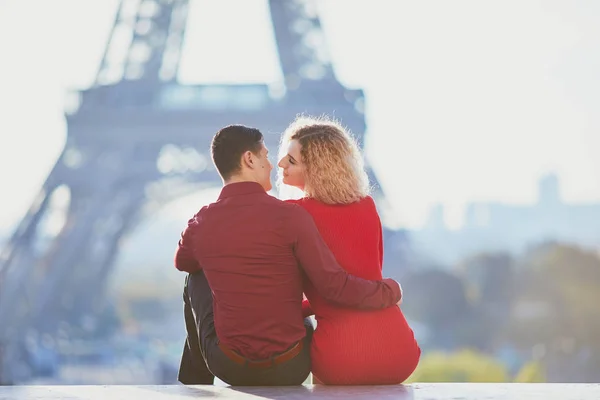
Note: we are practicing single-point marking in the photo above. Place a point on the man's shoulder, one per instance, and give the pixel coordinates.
(299, 217)
(294, 206)
(288, 207)
(197, 217)
(203, 210)
(291, 206)
(298, 205)
(293, 201)
(292, 210)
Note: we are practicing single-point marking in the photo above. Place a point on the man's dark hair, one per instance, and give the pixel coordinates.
(230, 143)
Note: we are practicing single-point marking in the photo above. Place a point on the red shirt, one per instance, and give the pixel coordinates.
(349, 346)
(255, 251)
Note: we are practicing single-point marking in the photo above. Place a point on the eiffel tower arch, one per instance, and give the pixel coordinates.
(139, 139)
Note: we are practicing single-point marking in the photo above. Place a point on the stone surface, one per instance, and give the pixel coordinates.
(433, 391)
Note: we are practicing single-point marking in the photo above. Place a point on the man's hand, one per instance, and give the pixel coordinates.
(401, 295)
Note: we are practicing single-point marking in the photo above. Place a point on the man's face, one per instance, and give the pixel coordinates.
(263, 172)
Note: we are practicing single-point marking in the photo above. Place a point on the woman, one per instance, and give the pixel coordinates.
(349, 346)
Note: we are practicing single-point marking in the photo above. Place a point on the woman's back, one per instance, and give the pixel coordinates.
(353, 234)
(352, 346)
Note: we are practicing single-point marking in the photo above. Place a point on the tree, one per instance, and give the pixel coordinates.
(462, 366)
(490, 276)
(532, 372)
(556, 309)
(434, 297)
(567, 280)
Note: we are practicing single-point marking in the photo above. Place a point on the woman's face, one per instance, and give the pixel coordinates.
(292, 166)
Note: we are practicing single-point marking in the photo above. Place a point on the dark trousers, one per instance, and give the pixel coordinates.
(202, 358)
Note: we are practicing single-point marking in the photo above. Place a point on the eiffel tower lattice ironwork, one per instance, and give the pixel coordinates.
(137, 132)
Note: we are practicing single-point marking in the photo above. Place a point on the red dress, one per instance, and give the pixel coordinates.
(350, 346)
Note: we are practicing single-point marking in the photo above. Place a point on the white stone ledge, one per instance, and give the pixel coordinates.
(429, 391)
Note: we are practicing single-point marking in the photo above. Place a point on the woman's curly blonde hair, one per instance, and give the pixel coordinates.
(334, 167)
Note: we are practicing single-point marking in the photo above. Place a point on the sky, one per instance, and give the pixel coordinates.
(466, 100)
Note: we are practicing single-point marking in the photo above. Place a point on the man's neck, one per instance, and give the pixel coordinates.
(238, 179)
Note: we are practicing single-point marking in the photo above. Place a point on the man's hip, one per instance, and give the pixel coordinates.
(290, 367)
(276, 359)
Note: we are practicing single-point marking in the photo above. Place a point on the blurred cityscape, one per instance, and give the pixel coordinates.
(510, 293)
(498, 227)
(515, 298)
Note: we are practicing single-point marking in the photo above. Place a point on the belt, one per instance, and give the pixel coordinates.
(266, 363)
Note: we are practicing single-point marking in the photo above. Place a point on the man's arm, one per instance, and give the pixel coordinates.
(184, 255)
(332, 281)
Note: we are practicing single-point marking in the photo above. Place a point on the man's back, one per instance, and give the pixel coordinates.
(244, 242)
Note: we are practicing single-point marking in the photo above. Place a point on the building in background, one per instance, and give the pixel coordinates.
(498, 226)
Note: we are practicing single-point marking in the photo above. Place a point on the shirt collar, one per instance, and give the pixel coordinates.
(240, 189)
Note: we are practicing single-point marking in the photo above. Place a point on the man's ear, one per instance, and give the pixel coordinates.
(248, 160)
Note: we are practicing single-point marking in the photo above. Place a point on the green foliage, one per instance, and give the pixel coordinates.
(546, 299)
(489, 277)
(462, 366)
(434, 297)
(471, 366)
(532, 372)
(560, 289)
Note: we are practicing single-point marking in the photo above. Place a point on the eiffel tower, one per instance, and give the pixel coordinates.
(139, 139)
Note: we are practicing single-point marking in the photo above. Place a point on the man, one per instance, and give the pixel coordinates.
(247, 255)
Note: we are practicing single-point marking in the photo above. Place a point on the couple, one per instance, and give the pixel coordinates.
(250, 257)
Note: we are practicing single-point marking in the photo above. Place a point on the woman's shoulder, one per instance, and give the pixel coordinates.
(308, 202)
(368, 200)
(293, 201)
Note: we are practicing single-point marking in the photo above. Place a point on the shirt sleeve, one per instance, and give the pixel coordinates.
(329, 278)
(184, 255)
